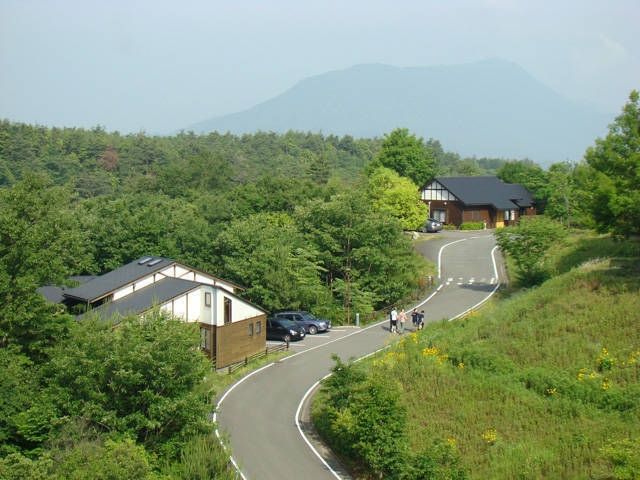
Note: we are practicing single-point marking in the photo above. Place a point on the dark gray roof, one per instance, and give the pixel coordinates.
(520, 195)
(52, 293)
(487, 190)
(56, 294)
(100, 287)
(103, 285)
(144, 299)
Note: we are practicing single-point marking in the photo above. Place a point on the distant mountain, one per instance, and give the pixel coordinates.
(491, 108)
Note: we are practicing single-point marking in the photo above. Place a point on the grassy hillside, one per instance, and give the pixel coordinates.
(540, 384)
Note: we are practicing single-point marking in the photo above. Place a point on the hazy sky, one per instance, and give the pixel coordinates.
(158, 66)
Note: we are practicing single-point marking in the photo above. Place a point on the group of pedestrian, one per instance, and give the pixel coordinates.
(416, 318)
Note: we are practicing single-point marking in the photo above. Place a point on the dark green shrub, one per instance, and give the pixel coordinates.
(364, 420)
(623, 460)
(472, 226)
(437, 462)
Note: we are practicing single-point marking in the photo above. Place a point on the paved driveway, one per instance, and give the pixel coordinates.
(266, 412)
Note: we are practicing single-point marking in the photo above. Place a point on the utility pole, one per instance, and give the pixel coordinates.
(348, 296)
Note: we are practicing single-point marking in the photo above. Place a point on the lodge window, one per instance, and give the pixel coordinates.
(227, 310)
(440, 215)
(207, 299)
(251, 329)
(258, 328)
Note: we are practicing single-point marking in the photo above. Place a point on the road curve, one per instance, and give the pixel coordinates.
(261, 413)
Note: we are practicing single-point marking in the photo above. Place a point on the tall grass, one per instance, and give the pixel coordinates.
(542, 384)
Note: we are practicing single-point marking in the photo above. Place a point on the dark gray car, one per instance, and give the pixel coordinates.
(283, 329)
(311, 324)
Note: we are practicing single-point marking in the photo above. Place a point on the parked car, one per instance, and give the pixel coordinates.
(432, 225)
(311, 324)
(285, 330)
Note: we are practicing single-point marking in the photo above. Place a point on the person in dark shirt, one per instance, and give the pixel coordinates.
(414, 317)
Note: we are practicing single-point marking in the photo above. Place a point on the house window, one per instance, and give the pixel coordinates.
(227, 310)
(258, 328)
(251, 329)
(440, 215)
(204, 339)
(207, 299)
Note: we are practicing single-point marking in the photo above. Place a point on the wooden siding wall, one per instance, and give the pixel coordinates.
(480, 214)
(233, 343)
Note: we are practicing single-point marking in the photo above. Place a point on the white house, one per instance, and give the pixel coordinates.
(231, 328)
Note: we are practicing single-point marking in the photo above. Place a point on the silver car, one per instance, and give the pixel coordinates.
(432, 225)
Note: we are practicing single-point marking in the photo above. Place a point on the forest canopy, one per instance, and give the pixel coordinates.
(301, 220)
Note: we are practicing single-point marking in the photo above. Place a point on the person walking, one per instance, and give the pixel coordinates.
(421, 320)
(414, 317)
(394, 320)
(403, 318)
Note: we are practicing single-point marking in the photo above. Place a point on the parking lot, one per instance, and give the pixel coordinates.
(319, 339)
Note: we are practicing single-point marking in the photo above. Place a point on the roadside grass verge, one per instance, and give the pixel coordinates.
(542, 384)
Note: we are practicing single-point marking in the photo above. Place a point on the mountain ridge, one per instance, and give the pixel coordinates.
(491, 108)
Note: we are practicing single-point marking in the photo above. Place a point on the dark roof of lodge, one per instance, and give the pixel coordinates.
(144, 299)
(487, 190)
(520, 195)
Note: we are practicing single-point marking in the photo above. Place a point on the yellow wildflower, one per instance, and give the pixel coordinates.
(490, 436)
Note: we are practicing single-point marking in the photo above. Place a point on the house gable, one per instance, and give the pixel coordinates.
(437, 191)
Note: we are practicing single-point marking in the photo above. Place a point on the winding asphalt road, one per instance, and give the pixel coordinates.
(265, 414)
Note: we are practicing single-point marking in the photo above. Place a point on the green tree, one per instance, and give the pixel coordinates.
(41, 243)
(399, 196)
(528, 244)
(559, 193)
(145, 379)
(407, 155)
(17, 387)
(268, 255)
(131, 226)
(97, 461)
(353, 238)
(616, 161)
(365, 420)
(525, 172)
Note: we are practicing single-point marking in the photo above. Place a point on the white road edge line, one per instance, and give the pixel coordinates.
(304, 399)
(495, 289)
(298, 410)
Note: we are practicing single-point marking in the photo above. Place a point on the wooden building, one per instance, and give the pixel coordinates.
(457, 200)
